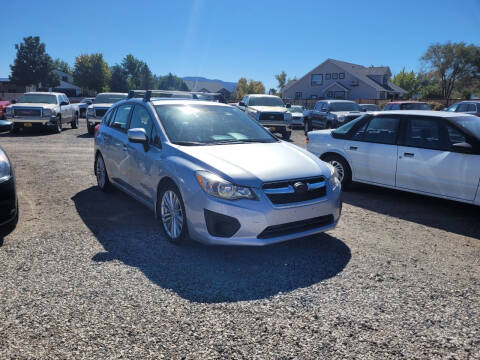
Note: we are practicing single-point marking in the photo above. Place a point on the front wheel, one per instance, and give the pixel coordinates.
(74, 122)
(58, 126)
(286, 135)
(172, 214)
(91, 129)
(342, 168)
(307, 126)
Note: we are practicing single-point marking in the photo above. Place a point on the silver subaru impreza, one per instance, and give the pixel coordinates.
(212, 174)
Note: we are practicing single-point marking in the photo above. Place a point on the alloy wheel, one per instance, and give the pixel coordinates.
(172, 214)
(101, 173)
(339, 168)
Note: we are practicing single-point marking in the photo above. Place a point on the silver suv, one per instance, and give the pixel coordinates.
(211, 173)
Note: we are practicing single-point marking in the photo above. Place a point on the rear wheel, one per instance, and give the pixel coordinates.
(286, 134)
(74, 122)
(172, 214)
(307, 126)
(341, 166)
(14, 129)
(91, 129)
(101, 173)
(58, 126)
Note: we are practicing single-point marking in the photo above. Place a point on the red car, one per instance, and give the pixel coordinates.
(407, 105)
(3, 105)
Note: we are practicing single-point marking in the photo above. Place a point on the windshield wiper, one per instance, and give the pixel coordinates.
(241, 141)
(187, 143)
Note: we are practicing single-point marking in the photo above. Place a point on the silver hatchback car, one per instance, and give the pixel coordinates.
(212, 174)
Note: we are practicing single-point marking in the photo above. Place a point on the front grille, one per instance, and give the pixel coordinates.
(283, 192)
(295, 227)
(271, 116)
(100, 112)
(27, 112)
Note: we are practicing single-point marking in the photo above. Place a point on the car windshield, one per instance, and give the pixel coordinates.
(470, 123)
(209, 124)
(38, 99)
(415, 106)
(265, 101)
(84, 100)
(296, 109)
(342, 130)
(453, 107)
(369, 107)
(108, 98)
(344, 106)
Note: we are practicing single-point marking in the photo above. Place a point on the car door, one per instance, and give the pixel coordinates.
(116, 158)
(318, 114)
(65, 110)
(144, 160)
(427, 162)
(372, 150)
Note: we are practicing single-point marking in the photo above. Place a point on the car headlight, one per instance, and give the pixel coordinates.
(46, 112)
(90, 112)
(9, 111)
(341, 118)
(5, 170)
(334, 179)
(214, 185)
(288, 116)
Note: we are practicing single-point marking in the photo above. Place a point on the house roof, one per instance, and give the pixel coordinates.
(362, 73)
(209, 86)
(338, 84)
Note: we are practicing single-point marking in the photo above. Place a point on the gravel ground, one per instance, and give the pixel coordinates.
(87, 275)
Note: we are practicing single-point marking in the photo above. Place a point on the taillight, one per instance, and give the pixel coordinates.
(478, 114)
(307, 140)
(96, 129)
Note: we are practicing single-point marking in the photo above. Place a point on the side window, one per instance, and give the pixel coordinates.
(120, 120)
(395, 107)
(360, 132)
(453, 108)
(455, 136)
(424, 133)
(387, 107)
(107, 119)
(141, 119)
(154, 138)
(471, 108)
(382, 130)
(462, 107)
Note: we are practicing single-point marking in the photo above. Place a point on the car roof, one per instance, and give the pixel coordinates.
(406, 102)
(368, 104)
(112, 93)
(262, 95)
(44, 93)
(336, 100)
(468, 101)
(176, 101)
(443, 114)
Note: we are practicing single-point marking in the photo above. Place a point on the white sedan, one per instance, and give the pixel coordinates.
(425, 152)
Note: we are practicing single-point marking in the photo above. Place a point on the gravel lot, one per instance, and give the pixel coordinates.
(87, 275)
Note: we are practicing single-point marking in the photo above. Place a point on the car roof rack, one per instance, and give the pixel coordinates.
(148, 94)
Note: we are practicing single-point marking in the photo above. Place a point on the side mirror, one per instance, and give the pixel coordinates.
(241, 103)
(138, 136)
(289, 106)
(463, 147)
(63, 103)
(5, 126)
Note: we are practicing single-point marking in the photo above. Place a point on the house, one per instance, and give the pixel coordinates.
(208, 86)
(335, 79)
(66, 85)
(10, 91)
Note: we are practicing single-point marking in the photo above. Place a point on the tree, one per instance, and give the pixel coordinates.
(272, 91)
(91, 72)
(62, 66)
(250, 87)
(407, 81)
(118, 80)
(133, 67)
(171, 82)
(282, 80)
(32, 65)
(450, 62)
(146, 77)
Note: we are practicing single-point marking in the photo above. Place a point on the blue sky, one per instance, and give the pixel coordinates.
(228, 40)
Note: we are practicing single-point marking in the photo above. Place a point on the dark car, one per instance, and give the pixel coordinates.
(83, 105)
(369, 107)
(407, 105)
(8, 194)
(468, 107)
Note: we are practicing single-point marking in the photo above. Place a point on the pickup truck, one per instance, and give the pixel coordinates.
(43, 109)
(328, 114)
(99, 107)
(269, 111)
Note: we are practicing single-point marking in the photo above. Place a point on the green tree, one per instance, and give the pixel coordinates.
(32, 65)
(171, 82)
(133, 67)
(118, 80)
(62, 66)
(282, 80)
(146, 77)
(272, 91)
(407, 81)
(450, 62)
(249, 87)
(92, 72)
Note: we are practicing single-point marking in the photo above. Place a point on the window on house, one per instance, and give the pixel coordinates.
(298, 95)
(317, 79)
(328, 76)
(313, 96)
(339, 94)
(334, 76)
(385, 79)
(329, 94)
(341, 75)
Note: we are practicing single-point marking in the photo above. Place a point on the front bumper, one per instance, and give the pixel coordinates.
(36, 122)
(8, 202)
(257, 218)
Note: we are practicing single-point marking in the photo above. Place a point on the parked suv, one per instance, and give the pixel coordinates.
(99, 107)
(329, 114)
(270, 111)
(407, 105)
(35, 109)
(467, 107)
(211, 173)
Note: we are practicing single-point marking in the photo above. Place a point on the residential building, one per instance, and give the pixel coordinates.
(208, 86)
(335, 79)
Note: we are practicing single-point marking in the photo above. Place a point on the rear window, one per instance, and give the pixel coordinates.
(415, 106)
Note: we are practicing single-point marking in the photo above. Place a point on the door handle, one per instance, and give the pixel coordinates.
(353, 148)
(408, 154)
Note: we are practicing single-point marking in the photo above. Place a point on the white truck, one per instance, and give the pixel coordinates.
(99, 107)
(42, 109)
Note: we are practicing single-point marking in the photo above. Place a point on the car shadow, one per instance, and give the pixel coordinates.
(85, 136)
(206, 274)
(33, 132)
(451, 216)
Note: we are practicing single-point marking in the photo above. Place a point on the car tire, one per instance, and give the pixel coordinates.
(74, 122)
(58, 126)
(103, 182)
(170, 201)
(91, 129)
(342, 167)
(14, 129)
(9, 227)
(286, 135)
(307, 126)
(328, 125)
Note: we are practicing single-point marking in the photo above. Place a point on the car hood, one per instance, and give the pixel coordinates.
(268, 108)
(29, 105)
(256, 163)
(343, 113)
(105, 105)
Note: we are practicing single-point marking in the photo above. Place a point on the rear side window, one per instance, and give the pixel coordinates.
(424, 133)
(462, 107)
(455, 136)
(395, 107)
(382, 130)
(120, 119)
(471, 108)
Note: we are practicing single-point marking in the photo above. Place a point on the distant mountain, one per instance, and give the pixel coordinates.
(230, 86)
